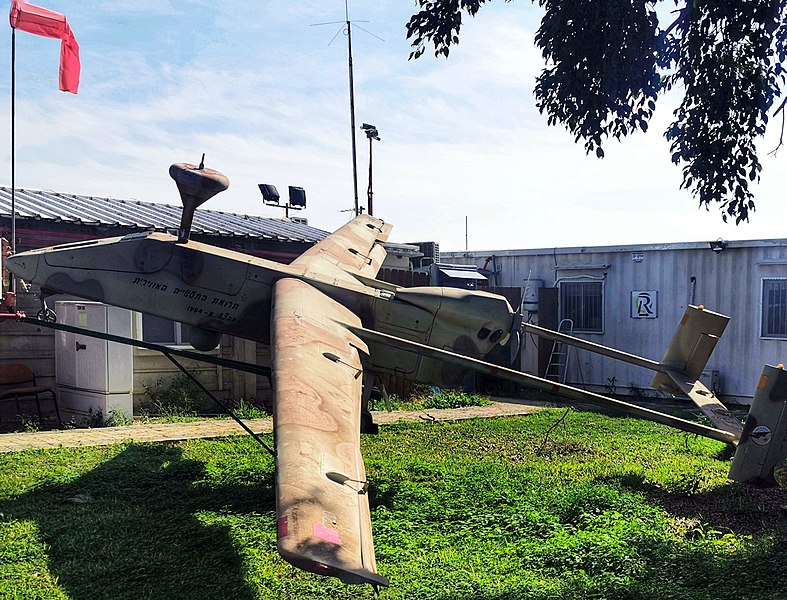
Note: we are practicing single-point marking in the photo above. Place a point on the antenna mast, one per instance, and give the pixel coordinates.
(352, 105)
(357, 209)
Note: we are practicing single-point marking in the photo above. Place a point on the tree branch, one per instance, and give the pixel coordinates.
(782, 110)
(681, 16)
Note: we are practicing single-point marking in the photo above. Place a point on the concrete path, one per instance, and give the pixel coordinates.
(215, 428)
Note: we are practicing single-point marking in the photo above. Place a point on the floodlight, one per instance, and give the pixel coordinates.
(270, 195)
(297, 197)
(718, 245)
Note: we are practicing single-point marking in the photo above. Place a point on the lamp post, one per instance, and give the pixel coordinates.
(371, 134)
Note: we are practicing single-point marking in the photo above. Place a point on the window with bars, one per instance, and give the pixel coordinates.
(774, 308)
(583, 302)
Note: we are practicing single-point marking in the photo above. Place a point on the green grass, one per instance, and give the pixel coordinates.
(485, 509)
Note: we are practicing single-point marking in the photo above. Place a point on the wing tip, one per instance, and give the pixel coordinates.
(343, 573)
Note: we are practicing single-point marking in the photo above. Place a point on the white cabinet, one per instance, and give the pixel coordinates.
(93, 375)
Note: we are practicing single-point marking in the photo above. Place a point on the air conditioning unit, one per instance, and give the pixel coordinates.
(430, 251)
(711, 380)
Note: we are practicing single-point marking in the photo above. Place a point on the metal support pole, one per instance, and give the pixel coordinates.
(221, 404)
(13, 151)
(597, 348)
(538, 383)
(370, 207)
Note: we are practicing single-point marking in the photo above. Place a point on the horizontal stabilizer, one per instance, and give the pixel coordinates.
(707, 402)
(691, 347)
(688, 353)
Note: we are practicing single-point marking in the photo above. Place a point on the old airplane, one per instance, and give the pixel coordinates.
(332, 327)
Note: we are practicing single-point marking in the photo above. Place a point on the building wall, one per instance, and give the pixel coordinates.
(729, 282)
(35, 347)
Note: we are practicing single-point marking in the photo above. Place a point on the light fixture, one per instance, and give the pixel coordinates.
(271, 197)
(371, 134)
(297, 197)
(718, 245)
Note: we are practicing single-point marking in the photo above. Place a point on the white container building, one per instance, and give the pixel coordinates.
(632, 298)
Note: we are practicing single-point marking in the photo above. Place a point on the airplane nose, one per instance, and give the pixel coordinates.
(23, 266)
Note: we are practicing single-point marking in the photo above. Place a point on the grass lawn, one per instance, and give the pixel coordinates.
(484, 509)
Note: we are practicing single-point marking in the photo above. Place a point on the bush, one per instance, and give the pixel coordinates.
(454, 399)
(174, 398)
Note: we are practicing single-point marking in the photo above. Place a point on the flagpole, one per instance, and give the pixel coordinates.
(13, 147)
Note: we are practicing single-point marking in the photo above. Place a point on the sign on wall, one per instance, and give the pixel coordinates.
(644, 304)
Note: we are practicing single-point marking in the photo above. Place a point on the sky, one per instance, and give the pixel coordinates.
(262, 90)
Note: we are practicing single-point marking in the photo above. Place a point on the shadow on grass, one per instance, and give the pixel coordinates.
(590, 539)
(743, 509)
(128, 528)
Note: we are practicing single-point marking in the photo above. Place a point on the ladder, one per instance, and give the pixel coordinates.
(557, 369)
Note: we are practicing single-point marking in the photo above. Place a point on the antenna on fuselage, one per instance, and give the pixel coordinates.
(196, 185)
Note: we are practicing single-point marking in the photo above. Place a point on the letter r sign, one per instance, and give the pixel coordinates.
(644, 304)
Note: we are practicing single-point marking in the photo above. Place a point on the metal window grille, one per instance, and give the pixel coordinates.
(774, 308)
(582, 302)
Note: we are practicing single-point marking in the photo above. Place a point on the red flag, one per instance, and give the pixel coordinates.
(41, 21)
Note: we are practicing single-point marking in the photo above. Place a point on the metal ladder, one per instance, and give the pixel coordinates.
(557, 369)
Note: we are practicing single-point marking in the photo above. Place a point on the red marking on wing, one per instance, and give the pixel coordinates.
(282, 527)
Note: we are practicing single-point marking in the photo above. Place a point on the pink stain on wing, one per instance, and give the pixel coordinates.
(326, 533)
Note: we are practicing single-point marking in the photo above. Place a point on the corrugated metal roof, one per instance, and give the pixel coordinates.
(113, 212)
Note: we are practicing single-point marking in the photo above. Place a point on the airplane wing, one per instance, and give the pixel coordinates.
(324, 525)
(352, 249)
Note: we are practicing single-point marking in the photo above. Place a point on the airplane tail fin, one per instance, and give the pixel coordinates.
(761, 456)
(688, 353)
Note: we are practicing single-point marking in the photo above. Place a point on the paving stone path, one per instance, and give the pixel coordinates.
(215, 428)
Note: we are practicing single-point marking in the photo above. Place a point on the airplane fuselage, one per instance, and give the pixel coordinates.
(217, 291)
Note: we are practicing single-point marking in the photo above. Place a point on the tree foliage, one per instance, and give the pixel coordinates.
(608, 61)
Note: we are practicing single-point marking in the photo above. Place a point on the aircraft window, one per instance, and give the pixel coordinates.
(496, 336)
(483, 333)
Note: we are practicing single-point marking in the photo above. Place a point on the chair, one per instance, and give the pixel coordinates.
(16, 376)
